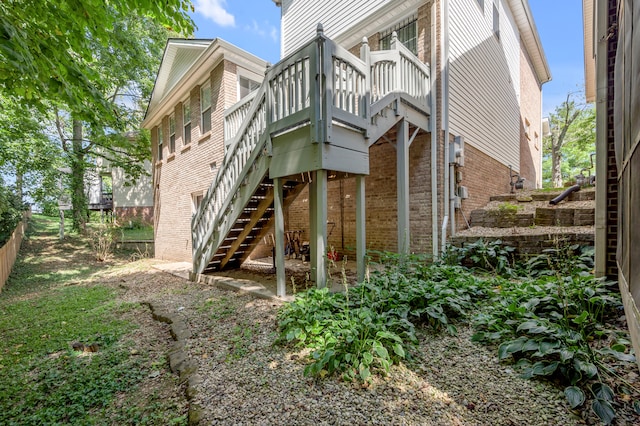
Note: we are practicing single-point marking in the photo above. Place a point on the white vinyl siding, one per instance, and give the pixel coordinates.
(484, 80)
(342, 20)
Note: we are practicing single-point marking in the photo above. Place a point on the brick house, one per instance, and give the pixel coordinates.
(380, 130)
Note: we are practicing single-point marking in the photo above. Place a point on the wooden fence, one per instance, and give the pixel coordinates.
(9, 251)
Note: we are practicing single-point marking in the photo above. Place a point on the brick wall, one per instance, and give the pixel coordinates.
(192, 168)
(530, 123)
(612, 170)
(141, 214)
(484, 177)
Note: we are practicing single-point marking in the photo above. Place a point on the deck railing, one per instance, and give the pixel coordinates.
(399, 70)
(235, 115)
(315, 86)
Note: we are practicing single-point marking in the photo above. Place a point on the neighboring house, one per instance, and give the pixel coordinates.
(109, 190)
(612, 44)
(383, 143)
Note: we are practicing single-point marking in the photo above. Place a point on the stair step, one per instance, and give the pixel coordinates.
(582, 195)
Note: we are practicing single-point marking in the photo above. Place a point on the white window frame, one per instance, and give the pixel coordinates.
(205, 107)
(160, 141)
(172, 133)
(400, 28)
(196, 200)
(186, 133)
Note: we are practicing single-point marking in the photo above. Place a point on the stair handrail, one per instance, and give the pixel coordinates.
(399, 70)
(235, 115)
(317, 84)
(232, 170)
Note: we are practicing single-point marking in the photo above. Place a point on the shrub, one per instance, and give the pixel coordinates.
(103, 239)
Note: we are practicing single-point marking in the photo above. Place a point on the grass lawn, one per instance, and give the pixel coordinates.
(66, 355)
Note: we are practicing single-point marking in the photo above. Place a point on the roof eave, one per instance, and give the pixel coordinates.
(531, 39)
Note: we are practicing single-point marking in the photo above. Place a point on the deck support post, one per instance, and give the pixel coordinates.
(278, 206)
(318, 213)
(402, 153)
(361, 234)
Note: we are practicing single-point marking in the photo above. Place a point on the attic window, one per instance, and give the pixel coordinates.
(246, 86)
(407, 32)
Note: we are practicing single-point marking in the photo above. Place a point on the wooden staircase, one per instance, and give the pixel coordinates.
(315, 110)
(529, 223)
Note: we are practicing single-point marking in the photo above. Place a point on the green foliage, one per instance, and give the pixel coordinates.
(554, 325)
(372, 326)
(549, 316)
(492, 256)
(11, 209)
(54, 43)
(568, 147)
(42, 380)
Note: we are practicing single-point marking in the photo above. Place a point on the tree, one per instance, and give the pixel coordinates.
(47, 48)
(26, 150)
(570, 142)
(85, 58)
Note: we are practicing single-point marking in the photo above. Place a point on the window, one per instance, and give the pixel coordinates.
(196, 200)
(159, 132)
(186, 119)
(407, 32)
(172, 133)
(205, 107)
(496, 20)
(246, 86)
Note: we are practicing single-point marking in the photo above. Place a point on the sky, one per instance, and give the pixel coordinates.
(254, 25)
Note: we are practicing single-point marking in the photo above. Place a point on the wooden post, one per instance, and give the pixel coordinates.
(318, 207)
(61, 224)
(278, 206)
(360, 228)
(402, 153)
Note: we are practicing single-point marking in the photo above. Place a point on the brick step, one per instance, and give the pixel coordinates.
(530, 242)
(582, 195)
(543, 216)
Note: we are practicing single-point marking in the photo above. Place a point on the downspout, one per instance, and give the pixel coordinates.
(444, 71)
(434, 137)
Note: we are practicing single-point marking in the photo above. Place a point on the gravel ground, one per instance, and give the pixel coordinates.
(247, 380)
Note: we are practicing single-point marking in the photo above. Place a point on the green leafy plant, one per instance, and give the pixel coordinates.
(554, 326)
(492, 256)
(370, 327)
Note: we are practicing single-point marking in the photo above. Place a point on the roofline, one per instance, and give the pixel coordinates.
(217, 50)
(533, 47)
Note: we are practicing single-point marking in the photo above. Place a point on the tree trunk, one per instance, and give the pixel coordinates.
(19, 190)
(78, 196)
(556, 166)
